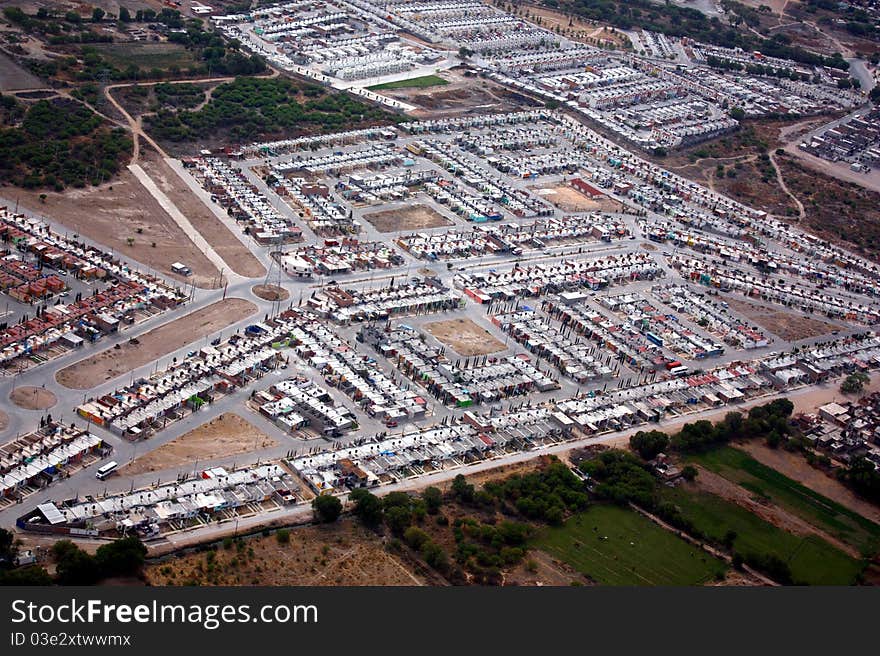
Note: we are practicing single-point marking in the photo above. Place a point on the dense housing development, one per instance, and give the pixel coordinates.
(457, 285)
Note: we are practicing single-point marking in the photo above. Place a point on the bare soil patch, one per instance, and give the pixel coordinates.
(344, 553)
(414, 217)
(569, 199)
(578, 29)
(151, 346)
(113, 213)
(465, 94)
(13, 77)
(539, 569)
(227, 245)
(4, 420)
(271, 292)
(226, 435)
(790, 327)
(465, 337)
(796, 467)
(33, 398)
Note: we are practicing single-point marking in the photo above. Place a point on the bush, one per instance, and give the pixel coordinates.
(283, 536)
(415, 537)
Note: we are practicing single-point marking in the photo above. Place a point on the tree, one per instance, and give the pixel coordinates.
(8, 550)
(649, 444)
(398, 518)
(98, 15)
(73, 566)
(124, 15)
(327, 508)
(123, 557)
(462, 490)
(729, 538)
(433, 499)
(854, 383)
(31, 575)
(737, 113)
(415, 537)
(689, 473)
(367, 506)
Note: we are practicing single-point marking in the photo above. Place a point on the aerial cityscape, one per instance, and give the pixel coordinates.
(349, 292)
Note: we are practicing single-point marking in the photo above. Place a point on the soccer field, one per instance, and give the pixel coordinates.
(617, 546)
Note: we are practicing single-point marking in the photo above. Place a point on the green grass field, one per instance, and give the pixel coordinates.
(413, 83)
(636, 552)
(146, 55)
(812, 560)
(823, 513)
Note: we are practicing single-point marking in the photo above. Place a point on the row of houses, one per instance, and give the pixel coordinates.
(243, 201)
(501, 238)
(571, 273)
(38, 459)
(168, 507)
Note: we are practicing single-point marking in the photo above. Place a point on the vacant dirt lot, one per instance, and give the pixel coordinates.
(113, 213)
(465, 94)
(465, 337)
(788, 326)
(151, 346)
(4, 420)
(343, 553)
(271, 292)
(33, 398)
(414, 217)
(13, 76)
(569, 199)
(226, 435)
(227, 245)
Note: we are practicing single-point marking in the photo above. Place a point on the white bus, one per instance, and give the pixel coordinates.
(106, 470)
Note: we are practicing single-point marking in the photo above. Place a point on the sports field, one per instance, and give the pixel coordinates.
(412, 83)
(617, 546)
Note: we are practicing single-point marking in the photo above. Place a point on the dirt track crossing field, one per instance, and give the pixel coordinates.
(151, 346)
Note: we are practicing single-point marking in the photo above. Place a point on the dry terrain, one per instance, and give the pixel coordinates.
(151, 346)
(569, 199)
(465, 94)
(576, 28)
(226, 435)
(227, 245)
(113, 213)
(344, 553)
(4, 420)
(13, 77)
(271, 292)
(753, 166)
(412, 217)
(33, 398)
(787, 325)
(464, 337)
